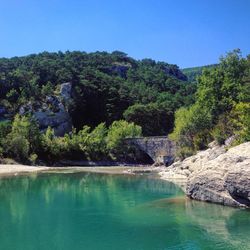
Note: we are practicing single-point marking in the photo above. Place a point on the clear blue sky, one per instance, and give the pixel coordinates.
(184, 32)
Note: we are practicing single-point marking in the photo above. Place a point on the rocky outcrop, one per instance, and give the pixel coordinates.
(52, 112)
(65, 92)
(175, 72)
(215, 175)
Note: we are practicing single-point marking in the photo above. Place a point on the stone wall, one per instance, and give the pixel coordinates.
(159, 148)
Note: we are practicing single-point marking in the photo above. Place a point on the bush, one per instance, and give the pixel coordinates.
(191, 126)
(5, 128)
(33, 158)
(184, 152)
(53, 148)
(23, 139)
(154, 118)
(18, 148)
(118, 131)
(201, 140)
(241, 121)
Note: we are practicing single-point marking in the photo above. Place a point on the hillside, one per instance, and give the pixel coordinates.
(105, 87)
(193, 72)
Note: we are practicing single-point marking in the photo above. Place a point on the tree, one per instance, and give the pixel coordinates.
(219, 97)
(24, 138)
(47, 89)
(118, 131)
(151, 117)
(241, 121)
(5, 128)
(97, 143)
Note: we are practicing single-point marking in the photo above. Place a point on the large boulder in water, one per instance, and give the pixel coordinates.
(216, 175)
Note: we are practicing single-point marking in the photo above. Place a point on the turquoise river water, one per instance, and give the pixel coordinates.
(96, 211)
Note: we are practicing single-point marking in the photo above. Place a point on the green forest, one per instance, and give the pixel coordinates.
(107, 87)
(114, 96)
(221, 109)
(193, 73)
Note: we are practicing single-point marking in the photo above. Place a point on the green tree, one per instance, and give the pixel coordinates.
(97, 142)
(24, 138)
(151, 117)
(219, 90)
(5, 128)
(241, 121)
(47, 89)
(118, 131)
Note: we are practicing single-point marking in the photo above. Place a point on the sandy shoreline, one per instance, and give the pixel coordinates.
(16, 169)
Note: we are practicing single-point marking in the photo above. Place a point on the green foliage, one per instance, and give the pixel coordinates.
(101, 143)
(218, 111)
(223, 129)
(151, 117)
(184, 152)
(47, 89)
(5, 128)
(193, 73)
(23, 139)
(18, 148)
(190, 127)
(241, 121)
(104, 84)
(97, 143)
(118, 131)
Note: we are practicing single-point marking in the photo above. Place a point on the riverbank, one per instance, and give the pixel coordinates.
(215, 175)
(18, 169)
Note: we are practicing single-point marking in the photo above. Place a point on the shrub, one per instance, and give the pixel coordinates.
(241, 121)
(118, 131)
(223, 129)
(23, 139)
(184, 152)
(18, 147)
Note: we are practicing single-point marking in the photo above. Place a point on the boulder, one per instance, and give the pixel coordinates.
(237, 183)
(215, 175)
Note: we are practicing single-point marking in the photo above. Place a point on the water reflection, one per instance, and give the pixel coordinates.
(80, 187)
(79, 208)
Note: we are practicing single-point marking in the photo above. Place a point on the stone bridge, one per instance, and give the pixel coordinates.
(159, 148)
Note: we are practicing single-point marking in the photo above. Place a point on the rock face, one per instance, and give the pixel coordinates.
(65, 91)
(52, 112)
(176, 73)
(215, 175)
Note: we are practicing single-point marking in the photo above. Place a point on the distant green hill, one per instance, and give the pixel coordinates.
(105, 87)
(192, 73)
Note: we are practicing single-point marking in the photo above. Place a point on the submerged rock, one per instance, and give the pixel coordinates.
(215, 175)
